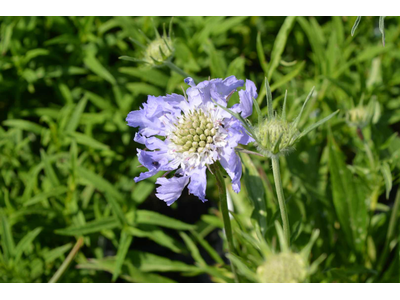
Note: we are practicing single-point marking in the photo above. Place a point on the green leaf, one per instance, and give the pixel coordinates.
(76, 115)
(269, 99)
(48, 168)
(288, 77)
(24, 125)
(147, 262)
(86, 140)
(135, 275)
(260, 53)
(123, 247)
(52, 193)
(153, 218)
(382, 28)
(193, 249)
(255, 190)
(25, 243)
(279, 44)
(100, 183)
(66, 93)
(153, 76)
(355, 25)
(96, 67)
(55, 253)
(142, 190)
(315, 125)
(157, 235)
(387, 176)
(6, 239)
(217, 61)
(211, 251)
(90, 227)
(243, 268)
(236, 67)
(6, 34)
(117, 210)
(297, 120)
(348, 199)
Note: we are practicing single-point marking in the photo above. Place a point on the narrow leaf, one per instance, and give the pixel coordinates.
(153, 218)
(25, 243)
(355, 25)
(387, 176)
(123, 247)
(90, 227)
(315, 125)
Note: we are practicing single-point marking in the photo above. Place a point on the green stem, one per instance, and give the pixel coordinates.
(67, 261)
(390, 234)
(178, 70)
(281, 198)
(225, 212)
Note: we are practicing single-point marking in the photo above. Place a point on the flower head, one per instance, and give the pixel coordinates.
(186, 134)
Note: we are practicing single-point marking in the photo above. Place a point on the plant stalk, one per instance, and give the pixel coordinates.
(225, 212)
(178, 70)
(67, 261)
(281, 198)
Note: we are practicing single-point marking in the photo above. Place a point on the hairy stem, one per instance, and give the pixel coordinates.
(225, 212)
(281, 198)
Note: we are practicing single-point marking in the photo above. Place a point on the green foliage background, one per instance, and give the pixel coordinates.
(67, 158)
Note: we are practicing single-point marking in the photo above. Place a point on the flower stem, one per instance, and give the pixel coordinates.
(176, 69)
(225, 212)
(281, 198)
(67, 261)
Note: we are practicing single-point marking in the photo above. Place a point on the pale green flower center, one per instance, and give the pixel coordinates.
(194, 133)
(285, 267)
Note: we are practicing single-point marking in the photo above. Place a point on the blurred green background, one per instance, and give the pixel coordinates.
(67, 157)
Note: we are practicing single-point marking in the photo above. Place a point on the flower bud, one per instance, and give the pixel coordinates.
(358, 117)
(158, 51)
(275, 136)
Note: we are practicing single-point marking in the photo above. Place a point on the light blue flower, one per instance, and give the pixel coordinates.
(195, 133)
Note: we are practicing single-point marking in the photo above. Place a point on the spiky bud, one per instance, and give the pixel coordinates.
(275, 136)
(158, 51)
(284, 267)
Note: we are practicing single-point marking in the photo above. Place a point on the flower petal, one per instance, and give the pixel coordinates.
(154, 161)
(148, 117)
(246, 98)
(198, 183)
(230, 161)
(171, 189)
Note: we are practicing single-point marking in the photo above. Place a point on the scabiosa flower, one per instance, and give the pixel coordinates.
(187, 134)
